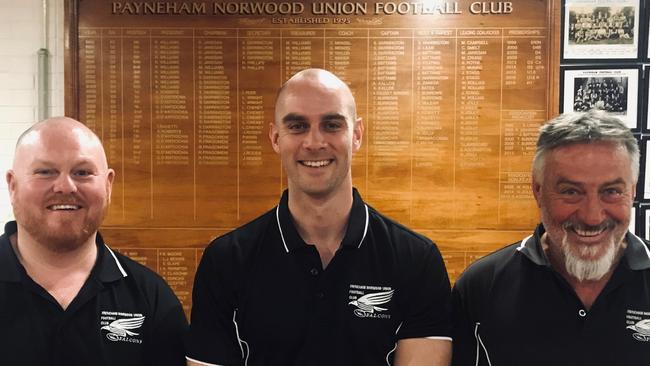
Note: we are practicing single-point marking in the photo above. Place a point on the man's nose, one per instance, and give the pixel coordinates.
(64, 183)
(314, 139)
(593, 210)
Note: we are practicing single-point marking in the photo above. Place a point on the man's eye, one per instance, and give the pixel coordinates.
(570, 192)
(81, 173)
(44, 172)
(296, 127)
(332, 126)
(613, 192)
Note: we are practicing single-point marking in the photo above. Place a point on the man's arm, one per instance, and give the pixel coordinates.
(212, 338)
(424, 337)
(423, 351)
(464, 351)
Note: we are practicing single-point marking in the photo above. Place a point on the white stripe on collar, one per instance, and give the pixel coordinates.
(523, 243)
(277, 217)
(116, 261)
(365, 229)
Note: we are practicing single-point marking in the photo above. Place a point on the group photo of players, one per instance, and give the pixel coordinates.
(606, 93)
(601, 25)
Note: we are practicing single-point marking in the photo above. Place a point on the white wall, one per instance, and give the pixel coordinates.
(21, 36)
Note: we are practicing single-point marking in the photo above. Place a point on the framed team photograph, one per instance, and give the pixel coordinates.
(600, 30)
(614, 89)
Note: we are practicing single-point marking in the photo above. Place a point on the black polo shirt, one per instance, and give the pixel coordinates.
(261, 296)
(124, 315)
(513, 309)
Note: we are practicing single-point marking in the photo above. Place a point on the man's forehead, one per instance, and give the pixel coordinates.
(307, 89)
(56, 133)
(77, 144)
(81, 160)
(591, 148)
(314, 99)
(595, 163)
(326, 116)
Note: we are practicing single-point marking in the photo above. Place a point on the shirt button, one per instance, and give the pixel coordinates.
(320, 295)
(313, 271)
(582, 313)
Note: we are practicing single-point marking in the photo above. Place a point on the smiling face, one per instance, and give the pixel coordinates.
(60, 185)
(585, 197)
(316, 133)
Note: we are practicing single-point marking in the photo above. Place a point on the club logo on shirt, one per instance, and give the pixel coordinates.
(370, 301)
(639, 323)
(121, 327)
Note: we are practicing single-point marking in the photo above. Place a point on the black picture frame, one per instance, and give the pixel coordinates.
(614, 88)
(602, 31)
(635, 219)
(644, 121)
(643, 183)
(642, 223)
(645, 32)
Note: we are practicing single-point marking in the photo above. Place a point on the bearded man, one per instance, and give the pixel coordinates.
(577, 291)
(65, 297)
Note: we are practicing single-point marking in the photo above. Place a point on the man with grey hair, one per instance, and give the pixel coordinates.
(577, 291)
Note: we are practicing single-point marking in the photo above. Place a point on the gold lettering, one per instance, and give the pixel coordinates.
(159, 7)
(346, 8)
(257, 8)
(491, 7)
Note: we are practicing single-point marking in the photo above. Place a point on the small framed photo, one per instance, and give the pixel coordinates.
(600, 30)
(613, 88)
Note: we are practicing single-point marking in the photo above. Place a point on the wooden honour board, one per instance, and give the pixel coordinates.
(181, 93)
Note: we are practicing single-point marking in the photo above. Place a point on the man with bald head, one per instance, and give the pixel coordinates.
(65, 297)
(322, 278)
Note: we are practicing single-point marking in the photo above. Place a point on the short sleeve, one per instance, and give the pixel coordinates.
(213, 334)
(464, 350)
(169, 331)
(469, 301)
(426, 297)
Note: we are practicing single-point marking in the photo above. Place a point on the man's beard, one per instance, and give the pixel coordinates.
(65, 238)
(590, 269)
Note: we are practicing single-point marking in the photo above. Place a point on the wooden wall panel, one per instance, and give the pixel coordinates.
(181, 93)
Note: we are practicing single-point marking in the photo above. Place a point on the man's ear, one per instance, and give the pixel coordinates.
(357, 134)
(11, 184)
(537, 189)
(110, 176)
(274, 135)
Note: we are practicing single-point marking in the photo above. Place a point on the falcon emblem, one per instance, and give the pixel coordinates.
(642, 329)
(123, 327)
(368, 303)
